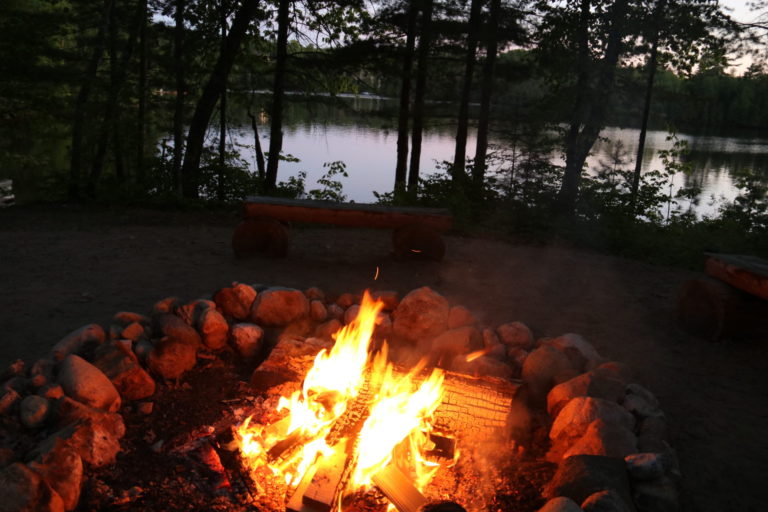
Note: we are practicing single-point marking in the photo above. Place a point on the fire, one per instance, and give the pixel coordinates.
(396, 430)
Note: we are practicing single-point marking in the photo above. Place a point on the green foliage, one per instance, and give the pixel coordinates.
(331, 188)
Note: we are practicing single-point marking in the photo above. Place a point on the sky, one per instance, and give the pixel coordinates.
(740, 12)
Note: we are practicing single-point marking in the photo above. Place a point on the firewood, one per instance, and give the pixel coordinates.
(322, 490)
(296, 501)
(397, 487)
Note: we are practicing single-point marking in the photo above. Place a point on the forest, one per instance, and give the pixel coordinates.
(90, 87)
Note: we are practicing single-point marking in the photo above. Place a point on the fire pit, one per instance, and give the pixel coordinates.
(281, 400)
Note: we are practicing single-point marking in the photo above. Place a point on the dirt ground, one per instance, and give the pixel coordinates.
(62, 267)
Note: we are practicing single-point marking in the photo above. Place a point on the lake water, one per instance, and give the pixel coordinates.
(364, 137)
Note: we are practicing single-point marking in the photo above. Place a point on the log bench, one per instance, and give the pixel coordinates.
(732, 302)
(264, 229)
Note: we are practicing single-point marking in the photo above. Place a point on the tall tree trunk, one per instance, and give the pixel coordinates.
(222, 110)
(460, 155)
(78, 123)
(142, 94)
(260, 168)
(178, 111)
(210, 96)
(278, 91)
(425, 39)
(110, 125)
(483, 122)
(401, 166)
(591, 105)
(652, 62)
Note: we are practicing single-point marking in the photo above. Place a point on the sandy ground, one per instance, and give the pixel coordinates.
(61, 268)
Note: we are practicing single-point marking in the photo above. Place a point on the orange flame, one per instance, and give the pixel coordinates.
(477, 354)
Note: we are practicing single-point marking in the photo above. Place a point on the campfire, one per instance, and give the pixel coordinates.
(304, 404)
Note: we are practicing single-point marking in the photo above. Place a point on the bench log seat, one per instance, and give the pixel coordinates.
(732, 302)
(264, 229)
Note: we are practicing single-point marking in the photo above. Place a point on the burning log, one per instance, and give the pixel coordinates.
(398, 489)
(322, 490)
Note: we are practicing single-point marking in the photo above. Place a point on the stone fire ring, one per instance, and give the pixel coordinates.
(60, 417)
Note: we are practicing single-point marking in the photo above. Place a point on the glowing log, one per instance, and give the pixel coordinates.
(398, 489)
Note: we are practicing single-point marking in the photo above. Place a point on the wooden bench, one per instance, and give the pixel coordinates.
(731, 303)
(264, 229)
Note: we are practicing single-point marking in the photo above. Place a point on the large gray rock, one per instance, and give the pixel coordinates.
(247, 339)
(79, 340)
(34, 411)
(545, 367)
(515, 334)
(577, 348)
(213, 328)
(461, 340)
(62, 468)
(122, 368)
(606, 439)
(172, 358)
(641, 402)
(87, 384)
(422, 314)
(575, 417)
(560, 504)
(586, 384)
(605, 501)
(278, 307)
(580, 476)
(23, 490)
(235, 301)
(648, 466)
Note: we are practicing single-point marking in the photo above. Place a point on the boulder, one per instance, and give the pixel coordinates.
(383, 330)
(335, 311)
(34, 411)
(484, 366)
(126, 317)
(122, 368)
(647, 466)
(171, 358)
(461, 340)
(278, 307)
(652, 434)
(247, 339)
(602, 438)
(580, 476)
(345, 300)
(389, 298)
(560, 504)
(94, 434)
(15, 369)
(213, 328)
(614, 370)
(317, 310)
(176, 329)
(351, 313)
(575, 417)
(328, 329)
(314, 293)
(543, 368)
(515, 334)
(77, 341)
(25, 491)
(51, 391)
(8, 399)
(586, 384)
(44, 368)
(422, 314)
(235, 301)
(459, 316)
(640, 407)
(142, 349)
(62, 469)
(133, 331)
(87, 384)
(605, 501)
(166, 306)
(578, 349)
(659, 495)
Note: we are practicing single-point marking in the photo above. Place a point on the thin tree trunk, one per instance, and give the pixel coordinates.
(222, 111)
(594, 103)
(460, 155)
(278, 91)
(257, 145)
(78, 123)
(425, 39)
(210, 96)
(178, 111)
(401, 166)
(483, 122)
(652, 62)
(142, 93)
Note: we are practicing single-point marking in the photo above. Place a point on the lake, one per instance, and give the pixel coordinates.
(362, 132)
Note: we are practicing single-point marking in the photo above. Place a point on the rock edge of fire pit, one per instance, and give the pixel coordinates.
(607, 433)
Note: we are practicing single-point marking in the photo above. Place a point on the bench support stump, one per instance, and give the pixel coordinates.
(260, 235)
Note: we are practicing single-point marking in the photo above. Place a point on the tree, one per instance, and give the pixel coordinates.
(401, 167)
(425, 40)
(491, 43)
(181, 90)
(278, 92)
(210, 96)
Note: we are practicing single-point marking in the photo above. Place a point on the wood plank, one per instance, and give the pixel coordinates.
(346, 214)
(296, 501)
(324, 486)
(398, 489)
(747, 273)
